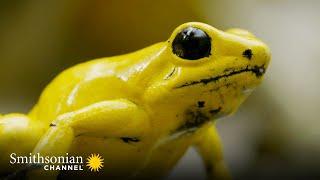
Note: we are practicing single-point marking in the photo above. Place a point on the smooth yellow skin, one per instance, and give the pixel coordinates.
(91, 106)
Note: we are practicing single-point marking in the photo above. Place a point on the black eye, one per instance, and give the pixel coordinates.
(192, 43)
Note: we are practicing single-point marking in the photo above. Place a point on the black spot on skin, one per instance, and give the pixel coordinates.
(171, 73)
(247, 54)
(201, 104)
(129, 139)
(52, 125)
(194, 120)
(81, 134)
(257, 70)
(215, 111)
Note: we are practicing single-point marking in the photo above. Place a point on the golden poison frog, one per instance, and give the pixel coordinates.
(141, 111)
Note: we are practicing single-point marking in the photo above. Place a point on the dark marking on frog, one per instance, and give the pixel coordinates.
(215, 111)
(171, 73)
(52, 125)
(257, 70)
(130, 139)
(201, 104)
(247, 54)
(81, 134)
(194, 120)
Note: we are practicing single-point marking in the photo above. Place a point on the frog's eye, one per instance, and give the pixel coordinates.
(192, 44)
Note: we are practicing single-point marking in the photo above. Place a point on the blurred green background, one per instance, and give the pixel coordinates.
(275, 133)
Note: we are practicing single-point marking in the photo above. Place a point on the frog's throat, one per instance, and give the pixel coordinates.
(257, 70)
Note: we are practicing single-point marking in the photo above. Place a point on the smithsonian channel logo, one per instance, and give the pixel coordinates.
(60, 163)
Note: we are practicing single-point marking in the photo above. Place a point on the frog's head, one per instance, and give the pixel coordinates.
(208, 70)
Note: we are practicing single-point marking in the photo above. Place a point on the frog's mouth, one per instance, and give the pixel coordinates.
(257, 70)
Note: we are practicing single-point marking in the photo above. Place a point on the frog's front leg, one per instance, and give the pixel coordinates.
(209, 147)
(114, 118)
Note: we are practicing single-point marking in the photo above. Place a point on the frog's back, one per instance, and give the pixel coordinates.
(88, 83)
(57, 97)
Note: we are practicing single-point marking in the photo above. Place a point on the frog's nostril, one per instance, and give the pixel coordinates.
(247, 54)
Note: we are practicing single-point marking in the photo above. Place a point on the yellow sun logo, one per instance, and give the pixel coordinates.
(95, 162)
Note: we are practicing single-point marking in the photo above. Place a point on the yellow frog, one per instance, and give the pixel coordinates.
(143, 110)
